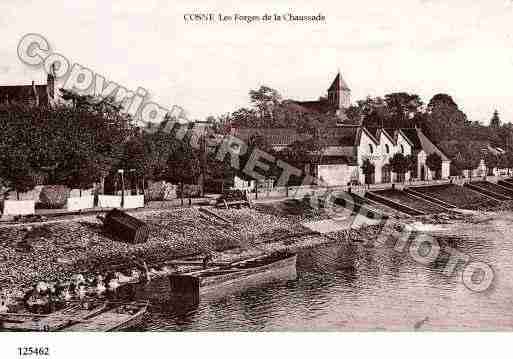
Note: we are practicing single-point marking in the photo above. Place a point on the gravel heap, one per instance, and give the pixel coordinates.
(55, 251)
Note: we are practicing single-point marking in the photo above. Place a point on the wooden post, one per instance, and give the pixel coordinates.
(122, 190)
(144, 195)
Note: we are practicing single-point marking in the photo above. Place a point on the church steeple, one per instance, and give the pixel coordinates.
(339, 94)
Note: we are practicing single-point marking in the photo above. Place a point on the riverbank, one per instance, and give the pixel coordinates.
(53, 251)
(56, 251)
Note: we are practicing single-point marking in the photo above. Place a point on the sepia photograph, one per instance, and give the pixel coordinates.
(272, 167)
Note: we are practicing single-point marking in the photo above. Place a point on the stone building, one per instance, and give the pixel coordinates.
(422, 148)
(32, 95)
(348, 144)
(335, 104)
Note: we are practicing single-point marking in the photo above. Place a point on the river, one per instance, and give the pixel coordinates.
(361, 287)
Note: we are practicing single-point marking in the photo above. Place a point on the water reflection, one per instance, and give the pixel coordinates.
(357, 287)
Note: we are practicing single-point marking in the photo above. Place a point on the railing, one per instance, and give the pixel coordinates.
(302, 191)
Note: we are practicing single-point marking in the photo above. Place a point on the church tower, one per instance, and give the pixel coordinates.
(339, 94)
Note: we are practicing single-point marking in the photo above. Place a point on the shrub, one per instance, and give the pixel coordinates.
(190, 190)
(160, 191)
(54, 196)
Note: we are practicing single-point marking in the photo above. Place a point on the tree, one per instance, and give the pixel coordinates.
(84, 171)
(368, 170)
(219, 170)
(299, 155)
(495, 121)
(412, 163)
(441, 99)
(372, 111)
(103, 105)
(401, 108)
(443, 120)
(59, 140)
(491, 161)
(265, 99)
(244, 117)
(184, 165)
(76, 99)
(317, 127)
(18, 173)
(468, 156)
(506, 160)
(137, 161)
(296, 154)
(399, 164)
(434, 163)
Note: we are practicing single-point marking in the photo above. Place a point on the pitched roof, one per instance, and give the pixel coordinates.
(495, 150)
(320, 106)
(421, 142)
(411, 134)
(343, 136)
(24, 93)
(374, 131)
(400, 132)
(275, 136)
(391, 134)
(335, 160)
(371, 136)
(339, 84)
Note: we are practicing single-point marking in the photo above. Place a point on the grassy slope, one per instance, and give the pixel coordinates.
(413, 202)
(457, 195)
(493, 187)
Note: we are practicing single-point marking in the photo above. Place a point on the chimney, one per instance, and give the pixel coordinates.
(50, 84)
(36, 95)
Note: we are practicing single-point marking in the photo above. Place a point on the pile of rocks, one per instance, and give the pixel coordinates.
(55, 251)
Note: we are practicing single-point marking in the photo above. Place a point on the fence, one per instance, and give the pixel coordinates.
(130, 202)
(302, 191)
(107, 201)
(19, 208)
(12, 207)
(79, 203)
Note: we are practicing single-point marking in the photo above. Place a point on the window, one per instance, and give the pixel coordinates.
(402, 149)
(387, 148)
(371, 150)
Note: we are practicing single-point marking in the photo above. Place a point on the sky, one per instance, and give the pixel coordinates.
(463, 48)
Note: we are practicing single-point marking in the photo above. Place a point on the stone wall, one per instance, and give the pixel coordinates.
(337, 174)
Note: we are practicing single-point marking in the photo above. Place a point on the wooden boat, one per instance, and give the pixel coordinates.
(274, 266)
(75, 313)
(120, 317)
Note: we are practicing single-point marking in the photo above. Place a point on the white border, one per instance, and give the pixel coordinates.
(259, 345)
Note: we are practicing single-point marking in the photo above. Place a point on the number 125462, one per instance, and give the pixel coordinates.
(33, 351)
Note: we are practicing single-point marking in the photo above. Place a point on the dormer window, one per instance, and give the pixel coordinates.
(402, 149)
(371, 149)
(387, 148)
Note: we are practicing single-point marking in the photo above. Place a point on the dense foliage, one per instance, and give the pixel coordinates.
(84, 141)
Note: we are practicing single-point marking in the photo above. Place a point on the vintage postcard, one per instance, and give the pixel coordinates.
(283, 166)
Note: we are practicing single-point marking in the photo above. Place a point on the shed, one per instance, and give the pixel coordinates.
(125, 227)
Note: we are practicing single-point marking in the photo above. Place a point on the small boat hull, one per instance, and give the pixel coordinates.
(51, 322)
(218, 281)
(111, 320)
